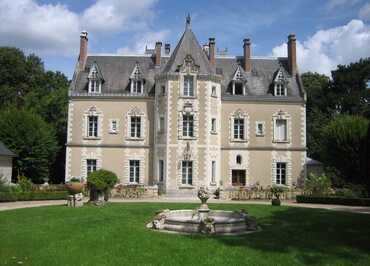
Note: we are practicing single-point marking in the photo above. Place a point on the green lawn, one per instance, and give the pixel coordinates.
(116, 235)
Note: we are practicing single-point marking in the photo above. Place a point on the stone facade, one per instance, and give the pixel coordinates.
(226, 139)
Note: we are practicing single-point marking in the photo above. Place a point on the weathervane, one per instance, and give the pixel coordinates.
(188, 19)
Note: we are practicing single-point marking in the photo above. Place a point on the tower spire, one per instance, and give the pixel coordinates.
(188, 20)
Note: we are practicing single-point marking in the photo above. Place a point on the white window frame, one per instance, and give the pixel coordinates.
(280, 136)
(135, 112)
(135, 88)
(188, 87)
(113, 129)
(239, 129)
(281, 173)
(136, 131)
(188, 125)
(260, 133)
(213, 172)
(187, 169)
(280, 89)
(214, 91)
(93, 129)
(134, 171)
(91, 167)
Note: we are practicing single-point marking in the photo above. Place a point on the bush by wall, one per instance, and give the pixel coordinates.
(34, 195)
(334, 200)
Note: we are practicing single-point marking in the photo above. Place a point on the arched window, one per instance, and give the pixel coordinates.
(238, 159)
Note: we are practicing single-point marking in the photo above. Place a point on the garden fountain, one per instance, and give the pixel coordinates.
(204, 220)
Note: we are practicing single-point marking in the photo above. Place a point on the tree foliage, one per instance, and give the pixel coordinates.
(101, 180)
(24, 84)
(32, 139)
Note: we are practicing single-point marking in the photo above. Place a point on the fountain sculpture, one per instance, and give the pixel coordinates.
(204, 220)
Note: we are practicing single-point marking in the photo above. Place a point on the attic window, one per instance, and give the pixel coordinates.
(94, 85)
(239, 88)
(280, 82)
(136, 81)
(280, 89)
(136, 87)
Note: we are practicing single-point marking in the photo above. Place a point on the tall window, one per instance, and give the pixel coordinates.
(213, 92)
(280, 89)
(94, 86)
(280, 174)
(90, 166)
(188, 85)
(92, 126)
(136, 86)
(188, 125)
(161, 170)
(238, 159)
(135, 126)
(280, 130)
(213, 176)
(187, 172)
(259, 129)
(238, 128)
(213, 125)
(134, 171)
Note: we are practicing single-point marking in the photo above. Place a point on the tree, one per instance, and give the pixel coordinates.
(32, 139)
(345, 147)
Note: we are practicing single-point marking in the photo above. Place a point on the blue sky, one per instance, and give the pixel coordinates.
(329, 32)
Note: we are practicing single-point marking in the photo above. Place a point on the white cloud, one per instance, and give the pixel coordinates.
(38, 28)
(118, 15)
(53, 29)
(141, 40)
(364, 12)
(323, 51)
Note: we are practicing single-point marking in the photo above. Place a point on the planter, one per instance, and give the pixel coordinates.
(74, 187)
(275, 202)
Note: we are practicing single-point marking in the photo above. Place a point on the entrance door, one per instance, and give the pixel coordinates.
(238, 178)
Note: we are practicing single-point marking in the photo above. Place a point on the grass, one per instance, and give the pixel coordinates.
(116, 235)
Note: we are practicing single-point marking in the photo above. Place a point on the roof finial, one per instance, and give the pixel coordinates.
(188, 19)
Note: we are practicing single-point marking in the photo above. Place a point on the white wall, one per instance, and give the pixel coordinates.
(6, 168)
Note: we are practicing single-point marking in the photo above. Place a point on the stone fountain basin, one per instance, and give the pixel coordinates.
(188, 221)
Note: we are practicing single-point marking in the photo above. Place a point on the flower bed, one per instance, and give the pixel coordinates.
(334, 200)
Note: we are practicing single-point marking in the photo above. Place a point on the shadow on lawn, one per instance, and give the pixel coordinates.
(311, 236)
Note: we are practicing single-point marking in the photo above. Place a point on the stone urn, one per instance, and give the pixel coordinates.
(74, 187)
(203, 195)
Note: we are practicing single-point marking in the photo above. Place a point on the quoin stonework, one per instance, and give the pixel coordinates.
(188, 118)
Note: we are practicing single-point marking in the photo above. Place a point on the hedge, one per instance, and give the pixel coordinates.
(334, 200)
(36, 195)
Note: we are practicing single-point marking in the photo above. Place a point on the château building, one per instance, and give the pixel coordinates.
(187, 118)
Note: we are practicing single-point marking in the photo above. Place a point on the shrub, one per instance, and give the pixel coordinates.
(75, 179)
(39, 195)
(277, 190)
(317, 185)
(102, 180)
(24, 183)
(334, 200)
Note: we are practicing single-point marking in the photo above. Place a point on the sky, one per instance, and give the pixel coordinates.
(329, 32)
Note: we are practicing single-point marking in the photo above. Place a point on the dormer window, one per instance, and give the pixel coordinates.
(136, 81)
(238, 83)
(95, 79)
(280, 83)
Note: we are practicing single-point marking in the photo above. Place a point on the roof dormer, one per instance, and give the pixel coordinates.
(95, 78)
(238, 82)
(280, 83)
(137, 80)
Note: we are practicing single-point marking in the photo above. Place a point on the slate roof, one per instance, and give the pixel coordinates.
(116, 70)
(4, 151)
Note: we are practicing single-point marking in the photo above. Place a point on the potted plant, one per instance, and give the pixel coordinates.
(276, 193)
(74, 186)
(100, 183)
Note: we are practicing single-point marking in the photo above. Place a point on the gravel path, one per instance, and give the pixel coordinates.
(29, 204)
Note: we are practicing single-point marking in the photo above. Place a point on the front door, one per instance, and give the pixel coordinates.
(238, 178)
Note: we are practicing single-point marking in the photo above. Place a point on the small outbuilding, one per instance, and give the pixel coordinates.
(6, 163)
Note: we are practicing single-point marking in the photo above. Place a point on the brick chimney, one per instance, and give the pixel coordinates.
(158, 48)
(83, 50)
(247, 55)
(211, 53)
(167, 48)
(292, 54)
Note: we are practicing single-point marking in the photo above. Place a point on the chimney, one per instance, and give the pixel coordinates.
(247, 55)
(292, 54)
(83, 50)
(167, 48)
(211, 54)
(158, 48)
